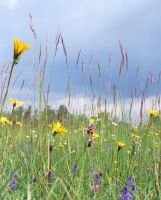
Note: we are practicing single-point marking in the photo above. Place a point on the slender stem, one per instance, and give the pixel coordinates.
(8, 84)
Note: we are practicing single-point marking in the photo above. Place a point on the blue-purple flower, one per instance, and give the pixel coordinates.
(75, 169)
(14, 182)
(128, 190)
(97, 180)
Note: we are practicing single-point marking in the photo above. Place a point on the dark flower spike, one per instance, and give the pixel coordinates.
(75, 169)
(90, 129)
(128, 190)
(126, 195)
(14, 182)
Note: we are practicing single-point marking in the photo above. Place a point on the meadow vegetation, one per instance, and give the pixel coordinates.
(51, 153)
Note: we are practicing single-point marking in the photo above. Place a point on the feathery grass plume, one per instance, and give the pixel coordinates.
(132, 100)
(90, 75)
(64, 48)
(57, 40)
(141, 108)
(159, 76)
(32, 27)
(115, 91)
(127, 61)
(137, 71)
(122, 59)
(42, 75)
(77, 62)
(83, 69)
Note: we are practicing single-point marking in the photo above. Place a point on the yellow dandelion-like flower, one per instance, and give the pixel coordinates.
(91, 121)
(5, 121)
(58, 128)
(152, 113)
(19, 49)
(18, 123)
(120, 145)
(15, 102)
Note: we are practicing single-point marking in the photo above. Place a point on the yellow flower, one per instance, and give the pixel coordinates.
(152, 113)
(58, 128)
(134, 136)
(15, 102)
(18, 123)
(94, 136)
(129, 152)
(109, 179)
(19, 48)
(5, 121)
(135, 128)
(120, 145)
(91, 121)
(60, 145)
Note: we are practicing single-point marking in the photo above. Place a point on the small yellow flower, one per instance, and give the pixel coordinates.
(58, 128)
(15, 102)
(135, 128)
(18, 123)
(5, 121)
(152, 113)
(60, 145)
(19, 48)
(91, 121)
(134, 136)
(120, 145)
(129, 152)
(95, 135)
(109, 179)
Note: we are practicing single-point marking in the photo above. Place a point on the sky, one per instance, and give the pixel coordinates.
(93, 26)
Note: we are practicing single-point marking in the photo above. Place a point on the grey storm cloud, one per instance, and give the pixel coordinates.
(94, 26)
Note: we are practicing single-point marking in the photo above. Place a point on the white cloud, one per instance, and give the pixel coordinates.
(83, 105)
(9, 3)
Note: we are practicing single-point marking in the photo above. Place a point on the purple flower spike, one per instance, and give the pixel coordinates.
(131, 184)
(97, 178)
(14, 182)
(128, 190)
(126, 194)
(75, 169)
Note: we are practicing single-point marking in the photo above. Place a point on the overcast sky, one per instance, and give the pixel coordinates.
(95, 27)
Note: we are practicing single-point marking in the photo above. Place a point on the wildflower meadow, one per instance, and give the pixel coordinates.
(110, 150)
